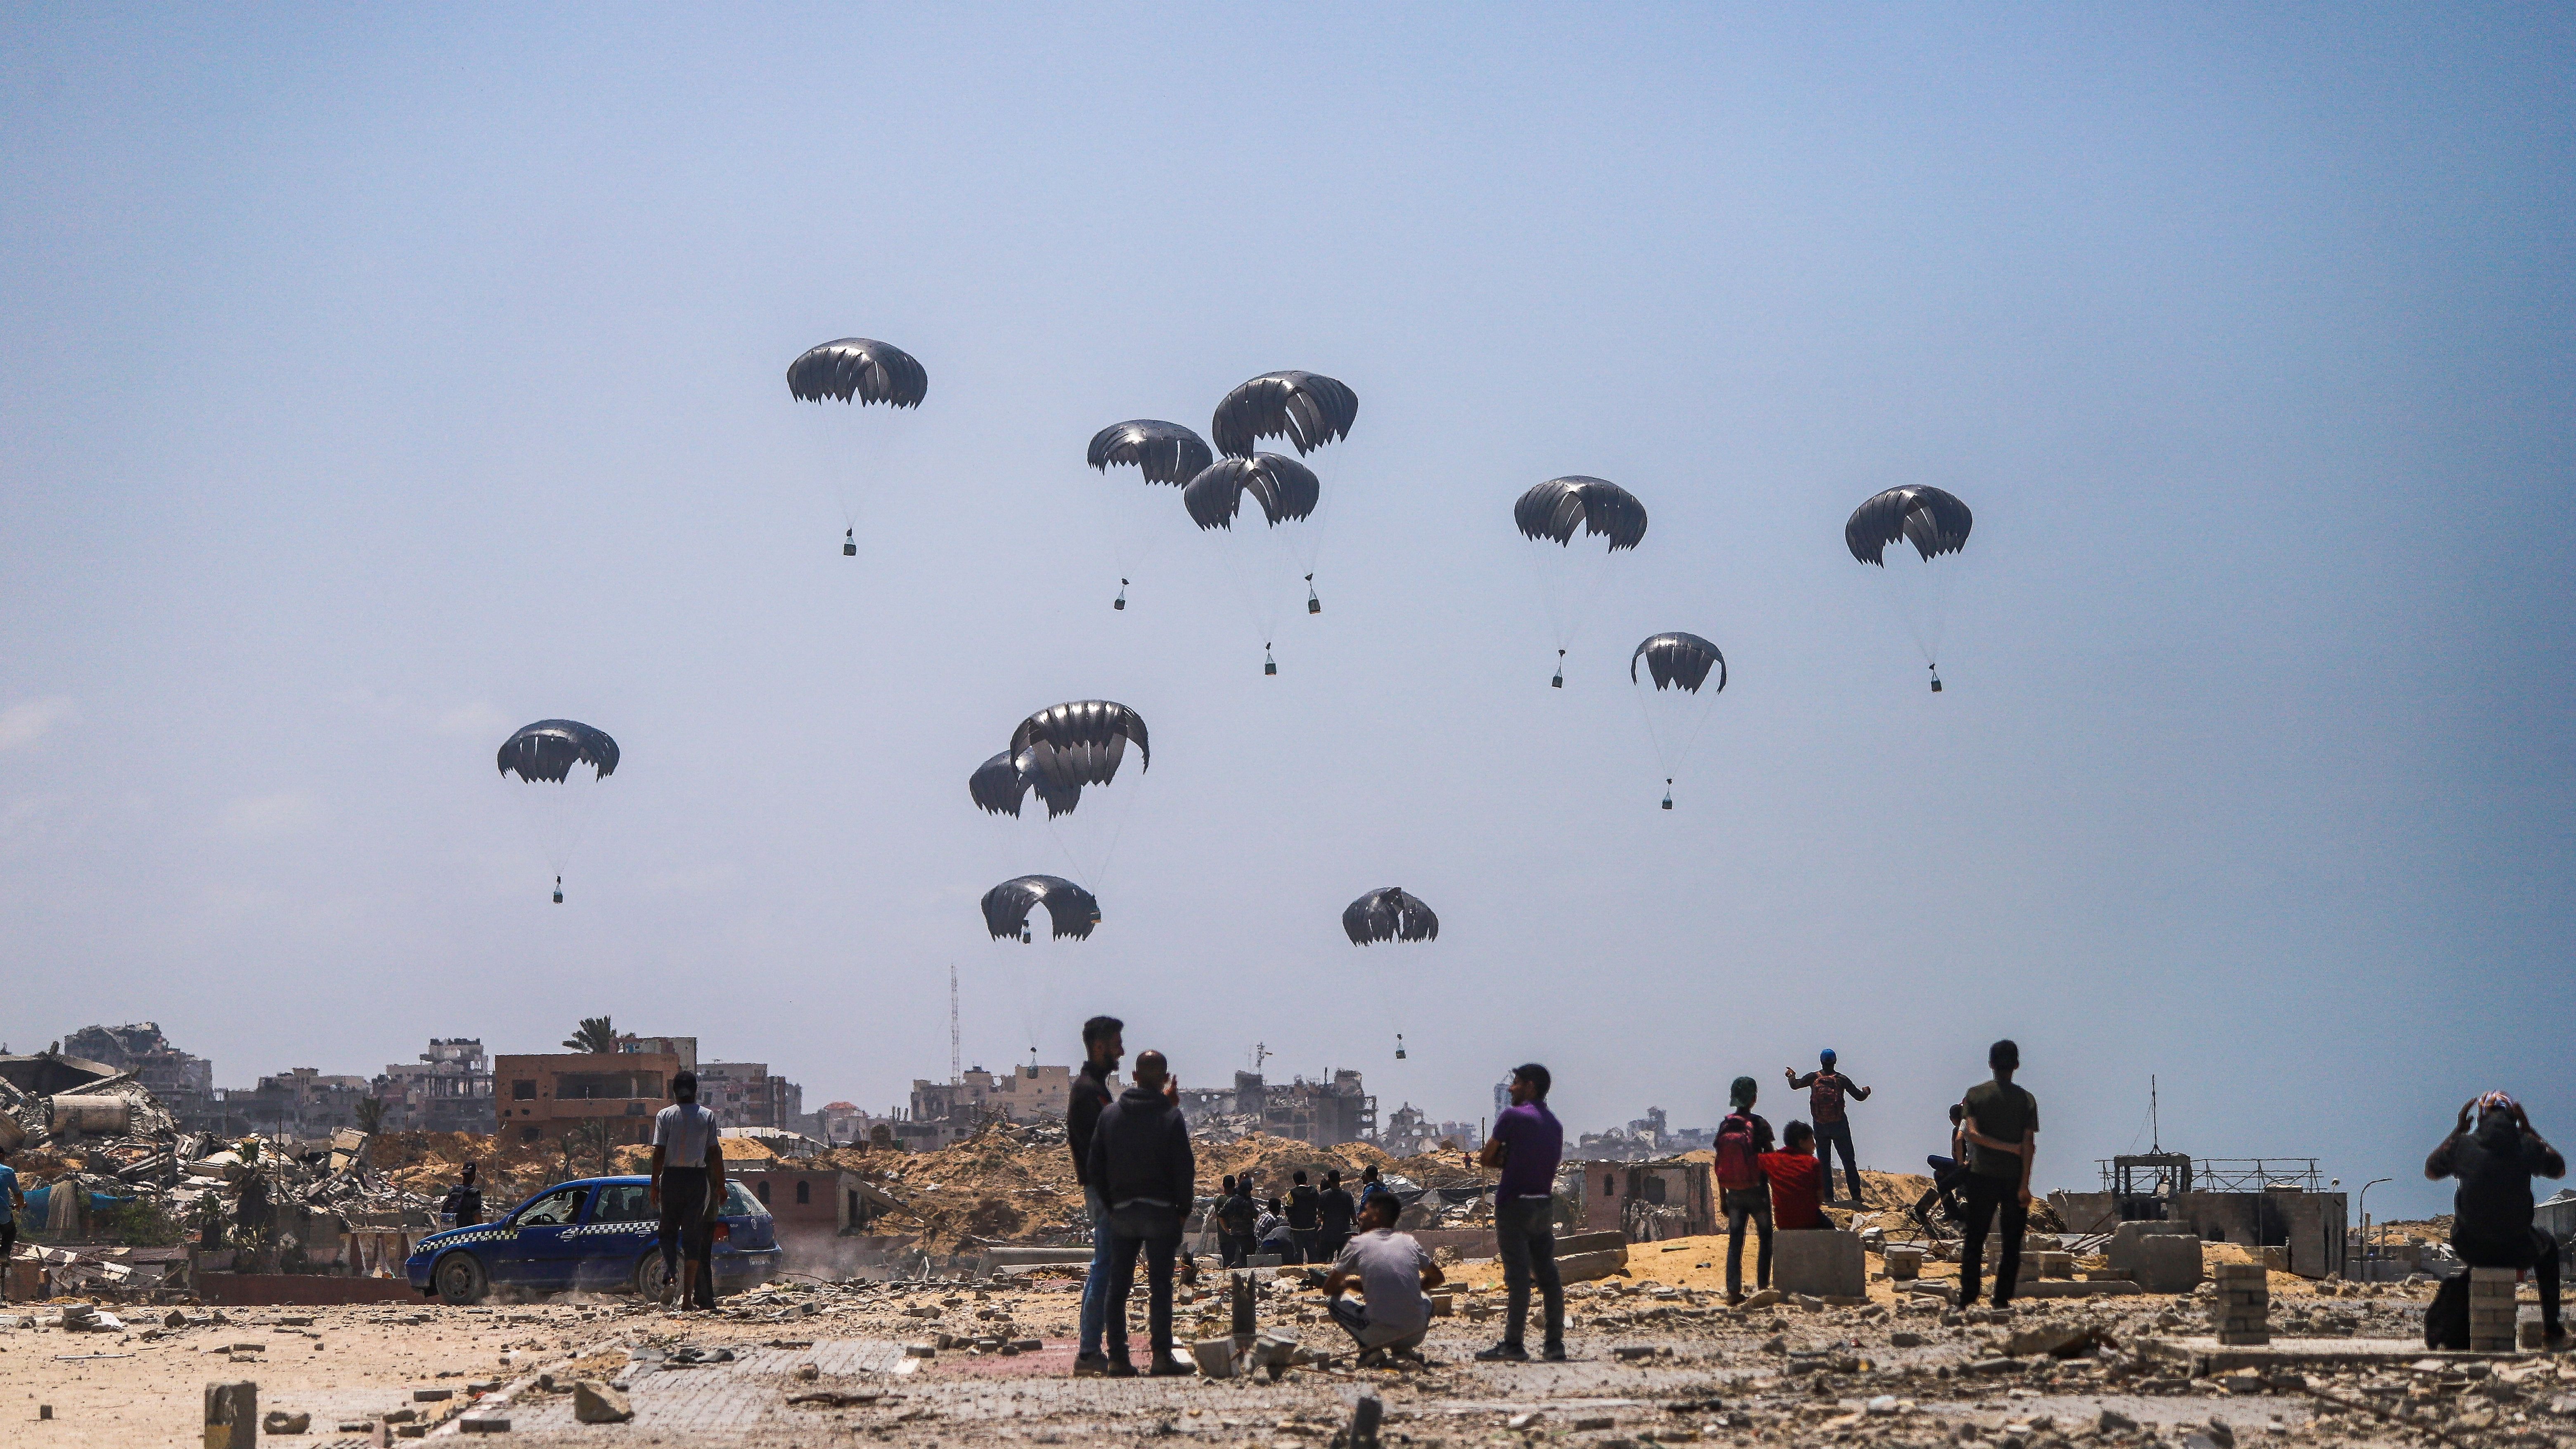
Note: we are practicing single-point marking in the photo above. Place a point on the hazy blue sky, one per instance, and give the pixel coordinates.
(373, 383)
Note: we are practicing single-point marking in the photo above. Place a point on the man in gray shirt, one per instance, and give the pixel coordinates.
(688, 1181)
(1393, 1271)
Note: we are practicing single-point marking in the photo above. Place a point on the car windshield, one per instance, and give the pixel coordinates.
(624, 1202)
(555, 1209)
(739, 1203)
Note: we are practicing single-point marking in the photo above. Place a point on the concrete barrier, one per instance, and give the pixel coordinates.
(2166, 1263)
(245, 1290)
(1824, 1262)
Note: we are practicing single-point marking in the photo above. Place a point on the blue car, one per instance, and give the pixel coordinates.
(598, 1233)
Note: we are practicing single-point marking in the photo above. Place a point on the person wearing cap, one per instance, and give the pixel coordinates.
(1826, 1090)
(2492, 1213)
(688, 1180)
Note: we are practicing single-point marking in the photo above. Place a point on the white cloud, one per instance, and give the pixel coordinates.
(265, 816)
(24, 724)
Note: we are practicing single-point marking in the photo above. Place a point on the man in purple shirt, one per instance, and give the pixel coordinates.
(1526, 1144)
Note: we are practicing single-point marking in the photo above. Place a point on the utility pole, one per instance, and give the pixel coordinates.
(955, 1067)
(1260, 1054)
(2155, 1119)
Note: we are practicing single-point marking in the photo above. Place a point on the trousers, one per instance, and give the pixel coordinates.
(1741, 1203)
(1525, 1234)
(1988, 1196)
(1830, 1135)
(1158, 1253)
(1095, 1283)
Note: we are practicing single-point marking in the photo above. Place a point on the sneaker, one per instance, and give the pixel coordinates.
(1554, 1353)
(1090, 1365)
(1120, 1368)
(1376, 1358)
(1503, 1353)
(1165, 1366)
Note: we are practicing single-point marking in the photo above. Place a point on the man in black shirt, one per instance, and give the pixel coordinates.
(1304, 1208)
(1238, 1215)
(1146, 1172)
(463, 1205)
(2491, 1222)
(1334, 1212)
(1103, 1043)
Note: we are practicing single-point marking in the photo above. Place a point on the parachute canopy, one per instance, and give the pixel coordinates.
(999, 785)
(1679, 660)
(1059, 750)
(1285, 488)
(1389, 915)
(548, 749)
(1933, 521)
(1073, 910)
(859, 369)
(1163, 452)
(1556, 508)
(1307, 408)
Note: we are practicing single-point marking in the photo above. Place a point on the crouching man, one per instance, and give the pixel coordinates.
(1393, 1271)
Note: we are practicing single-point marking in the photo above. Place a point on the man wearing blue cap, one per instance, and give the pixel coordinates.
(1826, 1089)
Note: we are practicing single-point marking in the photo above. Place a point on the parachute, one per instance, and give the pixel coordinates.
(1057, 752)
(1137, 518)
(546, 753)
(1307, 408)
(1163, 452)
(1936, 523)
(1389, 914)
(1570, 579)
(1676, 702)
(1285, 488)
(856, 370)
(1072, 910)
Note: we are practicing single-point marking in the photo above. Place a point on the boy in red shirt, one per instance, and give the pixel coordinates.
(1797, 1183)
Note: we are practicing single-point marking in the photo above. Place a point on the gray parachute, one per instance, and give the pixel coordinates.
(1072, 910)
(1556, 508)
(1679, 661)
(548, 750)
(1060, 749)
(1307, 408)
(1163, 452)
(1933, 521)
(1285, 488)
(858, 369)
(1389, 914)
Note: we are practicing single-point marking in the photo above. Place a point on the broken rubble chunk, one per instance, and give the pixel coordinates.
(595, 1402)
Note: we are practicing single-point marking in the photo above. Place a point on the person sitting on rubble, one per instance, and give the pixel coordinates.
(463, 1205)
(1273, 1236)
(1797, 1183)
(1394, 1274)
(1742, 1191)
(1946, 1172)
(2492, 1213)
(12, 1203)
(1335, 1212)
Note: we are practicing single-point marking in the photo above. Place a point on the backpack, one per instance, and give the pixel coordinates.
(1736, 1164)
(2446, 1318)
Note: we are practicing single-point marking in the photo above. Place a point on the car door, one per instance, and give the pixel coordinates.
(622, 1226)
(540, 1251)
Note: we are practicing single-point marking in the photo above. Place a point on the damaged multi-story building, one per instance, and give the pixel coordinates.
(185, 1084)
(448, 1090)
(1324, 1112)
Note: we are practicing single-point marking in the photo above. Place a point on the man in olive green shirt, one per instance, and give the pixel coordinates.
(2003, 1137)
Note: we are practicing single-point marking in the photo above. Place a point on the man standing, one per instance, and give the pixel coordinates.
(688, 1181)
(1103, 1043)
(463, 1205)
(2003, 1138)
(1146, 1172)
(12, 1203)
(1334, 1212)
(1394, 1273)
(1526, 1145)
(1240, 1216)
(1305, 1207)
(1742, 1190)
(1826, 1089)
(2491, 1223)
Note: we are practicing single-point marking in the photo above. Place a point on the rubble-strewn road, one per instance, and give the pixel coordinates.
(1692, 1370)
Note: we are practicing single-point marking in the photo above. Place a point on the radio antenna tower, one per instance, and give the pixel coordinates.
(955, 1065)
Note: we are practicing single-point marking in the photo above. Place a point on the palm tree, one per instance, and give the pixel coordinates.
(371, 1115)
(595, 1036)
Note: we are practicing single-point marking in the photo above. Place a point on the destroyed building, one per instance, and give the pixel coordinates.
(745, 1094)
(300, 1103)
(543, 1096)
(1320, 1113)
(448, 1090)
(184, 1083)
(2255, 1202)
(946, 1112)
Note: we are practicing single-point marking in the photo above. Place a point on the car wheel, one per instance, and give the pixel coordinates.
(652, 1277)
(460, 1279)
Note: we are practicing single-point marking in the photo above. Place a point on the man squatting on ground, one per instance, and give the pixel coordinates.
(1146, 1171)
(2003, 1138)
(2491, 1224)
(1526, 1144)
(688, 1179)
(1947, 1170)
(1103, 1043)
(1394, 1273)
(1826, 1089)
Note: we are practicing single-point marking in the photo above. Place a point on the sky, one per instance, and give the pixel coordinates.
(375, 382)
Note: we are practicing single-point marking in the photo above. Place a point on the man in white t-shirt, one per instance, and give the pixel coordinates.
(1392, 1270)
(688, 1180)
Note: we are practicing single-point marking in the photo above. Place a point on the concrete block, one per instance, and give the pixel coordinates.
(2166, 1263)
(1824, 1261)
(232, 1416)
(1904, 1262)
(1584, 1267)
(2123, 1247)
